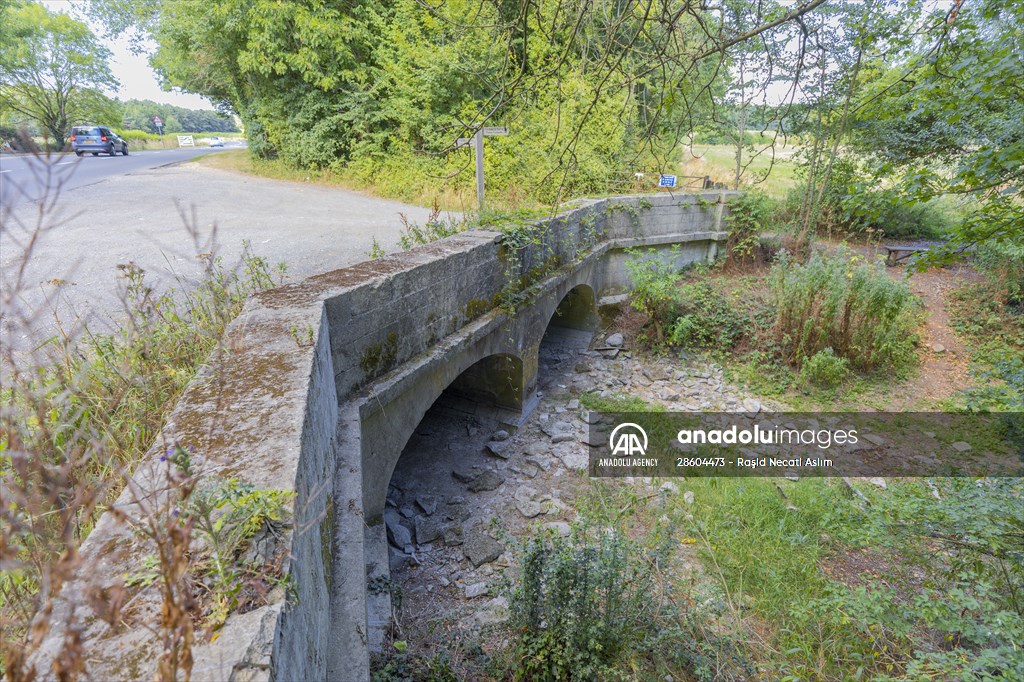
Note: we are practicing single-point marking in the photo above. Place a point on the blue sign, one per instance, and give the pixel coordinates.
(667, 181)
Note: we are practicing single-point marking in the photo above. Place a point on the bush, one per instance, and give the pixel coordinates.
(137, 136)
(704, 318)
(851, 204)
(1002, 263)
(824, 369)
(841, 302)
(884, 211)
(654, 284)
(750, 214)
(692, 314)
(580, 604)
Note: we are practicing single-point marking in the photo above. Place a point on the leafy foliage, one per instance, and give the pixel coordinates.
(949, 116)
(704, 318)
(653, 289)
(138, 115)
(226, 516)
(688, 308)
(386, 88)
(576, 607)
(824, 369)
(585, 608)
(852, 204)
(53, 70)
(750, 214)
(989, 314)
(1002, 263)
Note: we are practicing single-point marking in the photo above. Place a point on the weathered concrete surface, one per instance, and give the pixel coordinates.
(329, 420)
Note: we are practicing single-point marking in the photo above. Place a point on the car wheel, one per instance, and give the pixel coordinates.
(95, 153)
(124, 149)
(113, 150)
(78, 153)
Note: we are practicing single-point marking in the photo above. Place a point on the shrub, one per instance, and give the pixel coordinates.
(704, 318)
(579, 606)
(654, 284)
(824, 369)
(138, 136)
(851, 204)
(750, 214)
(884, 211)
(1002, 263)
(841, 302)
(683, 313)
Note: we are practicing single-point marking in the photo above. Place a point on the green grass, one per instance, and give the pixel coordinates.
(421, 193)
(994, 331)
(719, 162)
(817, 583)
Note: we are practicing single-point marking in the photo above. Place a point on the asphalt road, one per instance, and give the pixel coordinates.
(26, 178)
(60, 250)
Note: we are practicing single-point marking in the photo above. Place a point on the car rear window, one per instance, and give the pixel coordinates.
(86, 131)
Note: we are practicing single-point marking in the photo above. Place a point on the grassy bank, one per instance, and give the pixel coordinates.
(410, 186)
(421, 187)
(138, 140)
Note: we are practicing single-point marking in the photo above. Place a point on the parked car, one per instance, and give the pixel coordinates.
(97, 140)
(216, 142)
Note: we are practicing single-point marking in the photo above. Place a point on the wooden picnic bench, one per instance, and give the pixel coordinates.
(896, 253)
(901, 252)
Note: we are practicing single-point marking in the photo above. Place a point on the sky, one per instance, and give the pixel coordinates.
(137, 80)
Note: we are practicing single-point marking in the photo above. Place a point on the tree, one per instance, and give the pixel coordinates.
(754, 65)
(948, 116)
(138, 115)
(53, 70)
(594, 89)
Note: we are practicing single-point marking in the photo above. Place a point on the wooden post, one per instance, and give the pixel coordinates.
(478, 150)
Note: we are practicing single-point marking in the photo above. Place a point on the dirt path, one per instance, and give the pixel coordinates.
(944, 368)
(944, 359)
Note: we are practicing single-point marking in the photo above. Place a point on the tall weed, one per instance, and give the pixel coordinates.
(435, 228)
(750, 214)
(1002, 263)
(841, 302)
(578, 607)
(601, 605)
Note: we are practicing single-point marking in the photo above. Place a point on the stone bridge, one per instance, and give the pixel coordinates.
(318, 388)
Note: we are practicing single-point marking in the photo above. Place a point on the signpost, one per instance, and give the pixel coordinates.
(186, 141)
(667, 181)
(478, 152)
(158, 122)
